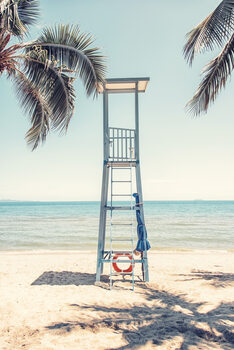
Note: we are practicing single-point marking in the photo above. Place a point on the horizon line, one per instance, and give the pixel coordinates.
(95, 200)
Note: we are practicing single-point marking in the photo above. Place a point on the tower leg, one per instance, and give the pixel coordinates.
(102, 222)
(145, 270)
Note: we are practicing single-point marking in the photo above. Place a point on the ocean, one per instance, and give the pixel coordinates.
(74, 225)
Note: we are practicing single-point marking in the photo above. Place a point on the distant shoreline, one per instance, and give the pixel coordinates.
(97, 201)
(168, 250)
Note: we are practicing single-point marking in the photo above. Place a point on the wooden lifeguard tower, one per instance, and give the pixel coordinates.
(121, 154)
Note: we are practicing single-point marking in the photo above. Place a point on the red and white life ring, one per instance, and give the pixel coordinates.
(116, 267)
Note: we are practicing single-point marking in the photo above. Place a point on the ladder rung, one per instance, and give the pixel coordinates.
(120, 261)
(121, 240)
(118, 252)
(121, 181)
(120, 208)
(120, 224)
(121, 163)
(128, 167)
(121, 273)
(123, 261)
(125, 195)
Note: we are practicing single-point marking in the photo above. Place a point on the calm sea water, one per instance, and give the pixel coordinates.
(74, 225)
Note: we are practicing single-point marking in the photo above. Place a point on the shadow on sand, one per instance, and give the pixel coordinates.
(162, 318)
(65, 278)
(216, 279)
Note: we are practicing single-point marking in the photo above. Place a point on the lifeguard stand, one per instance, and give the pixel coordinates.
(121, 152)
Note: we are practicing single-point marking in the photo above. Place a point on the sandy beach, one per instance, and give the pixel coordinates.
(49, 300)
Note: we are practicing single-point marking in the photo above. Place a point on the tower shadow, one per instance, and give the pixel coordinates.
(65, 278)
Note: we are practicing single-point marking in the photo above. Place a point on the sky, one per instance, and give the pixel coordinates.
(182, 158)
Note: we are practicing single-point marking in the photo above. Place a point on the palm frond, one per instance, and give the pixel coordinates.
(55, 86)
(216, 75)
(70, 92)
(71, 48)
(34, 104)
(214, 30)
(17, 15)
(28, 11)
(4, 40)
(4, 4)
(10, 20)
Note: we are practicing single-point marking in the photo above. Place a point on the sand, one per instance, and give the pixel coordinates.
(49, 300)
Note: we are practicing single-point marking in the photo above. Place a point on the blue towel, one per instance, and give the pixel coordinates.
(143, 243)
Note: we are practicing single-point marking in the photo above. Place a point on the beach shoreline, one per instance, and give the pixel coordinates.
(166, 250)
(49, 300)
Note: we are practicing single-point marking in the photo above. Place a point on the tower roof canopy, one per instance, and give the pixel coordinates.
(121, 85)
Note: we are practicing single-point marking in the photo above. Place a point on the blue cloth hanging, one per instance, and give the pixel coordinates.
(143, 243)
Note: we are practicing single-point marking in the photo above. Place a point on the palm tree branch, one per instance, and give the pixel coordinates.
(28, 11)
(56, 88)
(216, 74)
(10, 20)
(17, 15)
(86, 61)
(34, 104)
(4, 40)
(66, 45)
(213, 31)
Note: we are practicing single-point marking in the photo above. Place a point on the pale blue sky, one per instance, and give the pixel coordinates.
(181, 157)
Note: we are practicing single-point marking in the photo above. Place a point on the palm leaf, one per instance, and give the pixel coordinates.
(34, 104)
(28, 11)
(216, 75)
(4, 40)
(69, 47)
(17, 15)
(54, 85)
(46, 94)
(9, 18)
(214, 30)
(4, 4)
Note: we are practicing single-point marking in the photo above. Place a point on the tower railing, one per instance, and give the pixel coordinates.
(122, 145)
